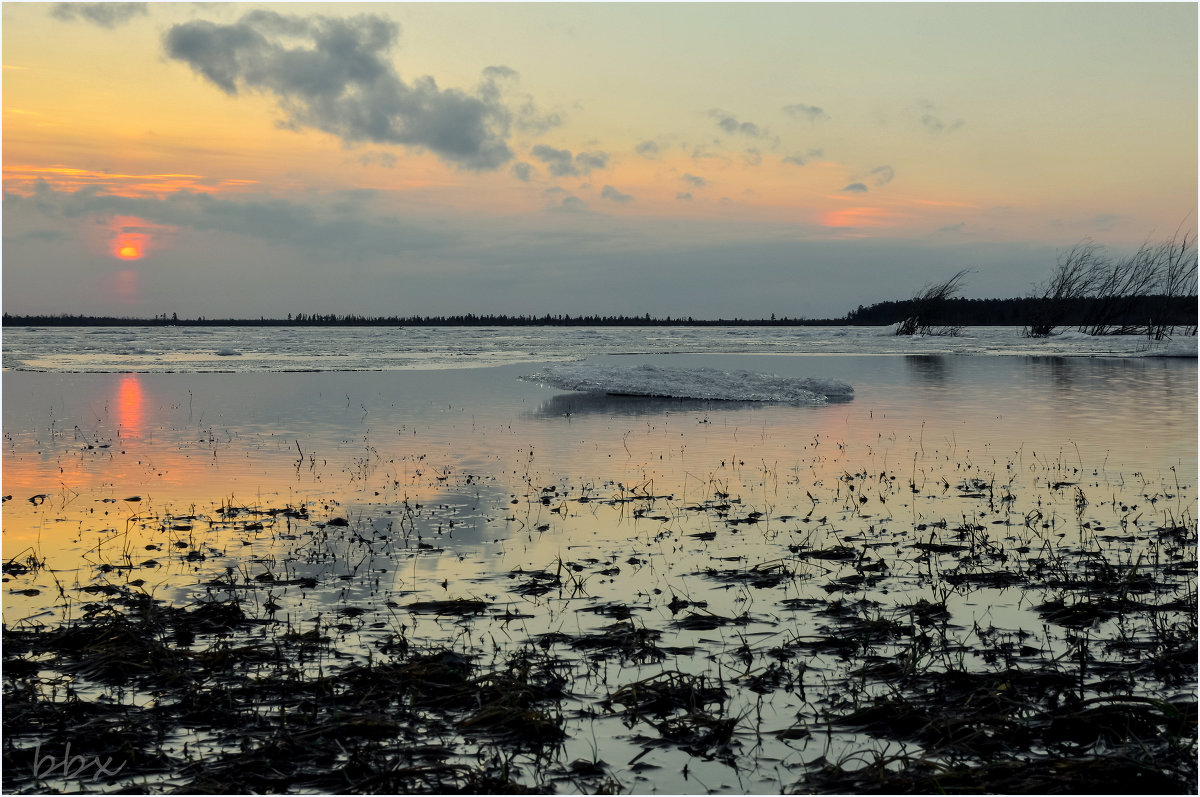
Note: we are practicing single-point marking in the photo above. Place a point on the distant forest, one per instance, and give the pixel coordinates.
(1178, 311)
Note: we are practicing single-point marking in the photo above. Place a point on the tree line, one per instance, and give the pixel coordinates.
(950, 312)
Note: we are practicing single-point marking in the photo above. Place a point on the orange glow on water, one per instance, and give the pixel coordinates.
(130, 413)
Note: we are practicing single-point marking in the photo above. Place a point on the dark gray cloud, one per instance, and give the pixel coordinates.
(616, 196)
(795, 160)
(801, 111)
(647, 149)
(523, 171)
(730, 124)
(856, 188)
(562, 164)
(883, 175)
(334, 75)
(106, 15)
(695, 180)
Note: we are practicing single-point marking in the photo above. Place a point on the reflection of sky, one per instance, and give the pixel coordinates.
(374, 439)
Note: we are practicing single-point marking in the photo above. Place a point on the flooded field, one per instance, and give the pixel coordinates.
(976, 573)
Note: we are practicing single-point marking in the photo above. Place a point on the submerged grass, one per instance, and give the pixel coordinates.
(844, 653)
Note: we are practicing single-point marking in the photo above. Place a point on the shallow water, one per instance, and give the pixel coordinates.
(460, 483)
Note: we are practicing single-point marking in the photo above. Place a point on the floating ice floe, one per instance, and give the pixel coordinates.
(690, 383)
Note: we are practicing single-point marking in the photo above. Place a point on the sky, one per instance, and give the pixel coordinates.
(713, 160)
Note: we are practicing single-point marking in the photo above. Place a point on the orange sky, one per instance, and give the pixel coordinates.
(579, 128)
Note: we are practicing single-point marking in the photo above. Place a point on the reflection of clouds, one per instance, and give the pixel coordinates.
(930, 369)
(567, 404)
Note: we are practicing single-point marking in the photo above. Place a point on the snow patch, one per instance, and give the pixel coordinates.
(690, 383)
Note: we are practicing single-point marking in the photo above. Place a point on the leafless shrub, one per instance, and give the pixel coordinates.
(1110, 292)
(925, 305)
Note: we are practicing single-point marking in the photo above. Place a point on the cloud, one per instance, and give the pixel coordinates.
(936, 125)
(752, 157)
(386, 159)
(523, 171)
(616, 196)
(558, 160)
(856, 188)
(571, 204)
(562, 164)
(795, 160)
(106, 15)
(730, 124)
(951, 229)
(810, 112)
(699, 182)
(647, 149)
(684, 196)
(883, 175)
(586, 161)
(334, 75)
(344, 223)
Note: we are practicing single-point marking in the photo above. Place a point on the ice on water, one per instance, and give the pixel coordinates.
(690, 383)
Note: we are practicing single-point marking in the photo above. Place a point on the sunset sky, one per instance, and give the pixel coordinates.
(239, 160)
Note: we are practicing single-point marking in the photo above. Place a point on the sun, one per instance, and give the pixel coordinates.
(129, 246)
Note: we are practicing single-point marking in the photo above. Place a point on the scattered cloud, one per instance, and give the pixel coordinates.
(647, 149)
(616, 196)
(752, 156)
(801, 159)
(935, 125)
(684, 196)
(695, 180)
(562, 164)
(558, 160)
(106, 15)
(883, 175)
(810, 112)
(730, 124)
(334, 75)
(856, 188)
(952, 229)
(571, 204)
(586, 161)
(523, 171)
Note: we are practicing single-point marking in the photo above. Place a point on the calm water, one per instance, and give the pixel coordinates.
(487, 471)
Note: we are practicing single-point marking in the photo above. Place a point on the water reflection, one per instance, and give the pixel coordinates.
(928, 368)
(130, 413)
(568, 404)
